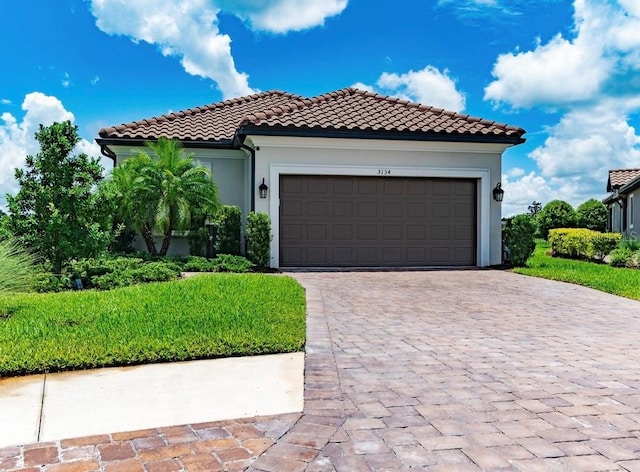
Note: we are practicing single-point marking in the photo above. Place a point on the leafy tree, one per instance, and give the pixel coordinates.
(161, 191)
(519, 234)
(56, 213)
(592, 214)
(556, 214)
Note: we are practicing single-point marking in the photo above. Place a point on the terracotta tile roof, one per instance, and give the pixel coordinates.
(348, 112)
(216, 122)
(356, 110)
(621, 177)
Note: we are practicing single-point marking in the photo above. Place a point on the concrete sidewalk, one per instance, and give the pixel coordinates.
(73, 404)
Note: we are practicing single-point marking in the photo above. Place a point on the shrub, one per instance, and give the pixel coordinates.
(47, 282)
(108, 273)
(228, 220)
(198, 239)
(623, 257)
(556, 214)
(17, 267)
(592, 214)
(519, 238)
(198, 264)
(582, 243)
(259, 239)
(231, 263)
(156, 272)
(604, 243)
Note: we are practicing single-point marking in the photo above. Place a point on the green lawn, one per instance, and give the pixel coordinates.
(619, 281)
(200, 317)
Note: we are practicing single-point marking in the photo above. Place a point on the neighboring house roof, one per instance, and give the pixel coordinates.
(620, 177)
(345, 113)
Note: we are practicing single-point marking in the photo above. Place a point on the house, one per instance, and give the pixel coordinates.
(353, 178)
(624, 210)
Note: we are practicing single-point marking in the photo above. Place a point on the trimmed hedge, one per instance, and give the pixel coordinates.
(582, 243)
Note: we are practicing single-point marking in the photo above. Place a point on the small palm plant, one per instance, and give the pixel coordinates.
(17, 267)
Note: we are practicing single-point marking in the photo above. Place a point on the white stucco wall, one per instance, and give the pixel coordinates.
(327, 156)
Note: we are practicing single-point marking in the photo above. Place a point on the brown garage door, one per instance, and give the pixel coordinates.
(345, 221)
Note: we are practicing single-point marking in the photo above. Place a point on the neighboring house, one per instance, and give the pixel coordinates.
(354, 179)
(622, 203)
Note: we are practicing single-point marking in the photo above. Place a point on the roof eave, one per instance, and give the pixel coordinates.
(186, 143)
(375, 134)
(634, 184)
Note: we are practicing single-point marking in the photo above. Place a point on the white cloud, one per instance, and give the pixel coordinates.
(66, 80)
(5, 101)
(281, 16)
(188, 29)
(95, 80)
(566, 72)
(17, 138)
(591, 78)
(428, 86)
(519, 193)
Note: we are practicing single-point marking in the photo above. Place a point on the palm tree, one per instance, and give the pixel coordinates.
(162, 191)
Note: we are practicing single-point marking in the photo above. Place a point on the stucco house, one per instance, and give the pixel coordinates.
(622, 204)
(353, 178)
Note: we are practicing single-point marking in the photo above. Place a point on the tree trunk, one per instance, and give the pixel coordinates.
(147, 235)
(166, 240)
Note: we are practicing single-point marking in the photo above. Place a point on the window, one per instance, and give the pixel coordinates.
(631, 211)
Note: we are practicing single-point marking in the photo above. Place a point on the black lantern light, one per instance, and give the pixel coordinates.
(498, 193)
(263, 189)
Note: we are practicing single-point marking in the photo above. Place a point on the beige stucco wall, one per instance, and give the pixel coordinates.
(287, 155)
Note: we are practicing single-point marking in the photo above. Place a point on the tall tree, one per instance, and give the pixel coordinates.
(161, 190)
(56, 213)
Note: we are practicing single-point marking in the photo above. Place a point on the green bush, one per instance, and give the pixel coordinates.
(156, 272)
(259, 239)
(48, 282)
(108, 273)
(519, 235)
(198, 239)
(592, 214)
(582, 243)
(231, 263)
(623, 257)
(604, 243)
(17, 267)
(228, 222)
(555, 214)
(198, 264)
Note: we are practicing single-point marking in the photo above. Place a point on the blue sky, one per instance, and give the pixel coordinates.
(567, 72)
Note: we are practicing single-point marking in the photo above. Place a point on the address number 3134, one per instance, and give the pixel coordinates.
(384, 172)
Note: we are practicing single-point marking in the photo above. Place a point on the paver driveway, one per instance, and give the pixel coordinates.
(464, 370)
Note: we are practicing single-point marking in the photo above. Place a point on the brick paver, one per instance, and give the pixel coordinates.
(470, 370)
(424, 370)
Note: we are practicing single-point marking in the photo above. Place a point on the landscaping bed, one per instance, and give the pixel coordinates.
(616, 280)
(207, 316)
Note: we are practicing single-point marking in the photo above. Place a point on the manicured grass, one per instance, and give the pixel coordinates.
(619, 281)
(200, 317)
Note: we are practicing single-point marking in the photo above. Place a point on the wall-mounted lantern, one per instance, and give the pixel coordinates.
(263, 189)
(498, 193)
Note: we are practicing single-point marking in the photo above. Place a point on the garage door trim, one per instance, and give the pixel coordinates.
(483, 189)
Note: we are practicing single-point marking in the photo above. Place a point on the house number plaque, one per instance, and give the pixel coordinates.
(384, 171)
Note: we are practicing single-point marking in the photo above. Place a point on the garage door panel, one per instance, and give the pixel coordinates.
(377, 221)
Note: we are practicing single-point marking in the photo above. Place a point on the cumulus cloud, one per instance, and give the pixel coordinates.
(17, 138)
(428, 86)
(189, 29)
(573, 71)
(591, 78)
(281, 16)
